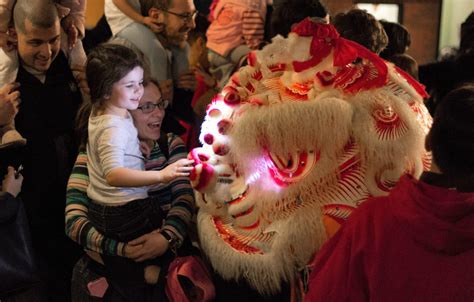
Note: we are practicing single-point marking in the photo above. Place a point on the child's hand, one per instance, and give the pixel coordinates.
(180, 168)
(11, 184)
(187, 81)
(7, 41)
(153, 24)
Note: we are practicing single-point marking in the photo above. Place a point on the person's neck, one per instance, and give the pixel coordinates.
(40, 75)
(115, 111)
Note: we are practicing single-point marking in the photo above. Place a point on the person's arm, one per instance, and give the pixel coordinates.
(180, 215)
(112, 142)
(124, 177)
(76, 16)
(9, 101)
(128, 10)
(6, 7)
(78, 226)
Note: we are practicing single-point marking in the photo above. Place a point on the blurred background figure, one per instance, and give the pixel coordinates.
(399, 39)
(288, 12)
(442, 77)
(361, 27)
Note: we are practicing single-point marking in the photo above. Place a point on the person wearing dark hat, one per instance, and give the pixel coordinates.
(415, 244)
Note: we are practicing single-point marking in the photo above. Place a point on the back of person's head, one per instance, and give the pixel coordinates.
(399, 39)
(41, 13)
(106, 65)
(202, 24)
(361, 27)
(288, 12)
(197, 42)
(406, 63)
(467, 34)
(451, 138)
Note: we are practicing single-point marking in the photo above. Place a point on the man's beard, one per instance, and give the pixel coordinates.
(178, 40)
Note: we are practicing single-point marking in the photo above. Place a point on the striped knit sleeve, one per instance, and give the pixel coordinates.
(252, 28)
(182, 209)
(78, 226)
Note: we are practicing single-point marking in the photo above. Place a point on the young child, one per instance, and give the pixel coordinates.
(237, 27)
(72, 14)
(121, 13)
(118, 182)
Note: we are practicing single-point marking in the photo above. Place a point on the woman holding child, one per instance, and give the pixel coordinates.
(169, 196)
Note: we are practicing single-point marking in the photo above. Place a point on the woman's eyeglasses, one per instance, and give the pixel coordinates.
(150, 107)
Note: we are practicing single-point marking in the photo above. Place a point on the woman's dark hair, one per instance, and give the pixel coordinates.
(202, 24)
(451, 138)
(361, 27)
(107, 64)
(407, 63)
(399, 39)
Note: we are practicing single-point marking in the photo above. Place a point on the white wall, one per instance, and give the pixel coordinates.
(453, 13)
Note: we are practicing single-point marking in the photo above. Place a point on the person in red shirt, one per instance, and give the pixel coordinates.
(417, 244)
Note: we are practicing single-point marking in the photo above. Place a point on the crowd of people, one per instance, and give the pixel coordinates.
(105, 175)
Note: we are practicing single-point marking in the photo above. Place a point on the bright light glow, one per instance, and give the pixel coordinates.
(260, 176)
(388, 12)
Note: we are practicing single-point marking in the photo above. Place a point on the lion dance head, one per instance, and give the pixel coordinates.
(313, 126)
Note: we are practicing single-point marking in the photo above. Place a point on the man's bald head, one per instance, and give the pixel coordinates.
(41, 14)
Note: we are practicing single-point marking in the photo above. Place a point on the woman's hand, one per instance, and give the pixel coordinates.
(148, 246)
(9, 102)
(12, 184)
